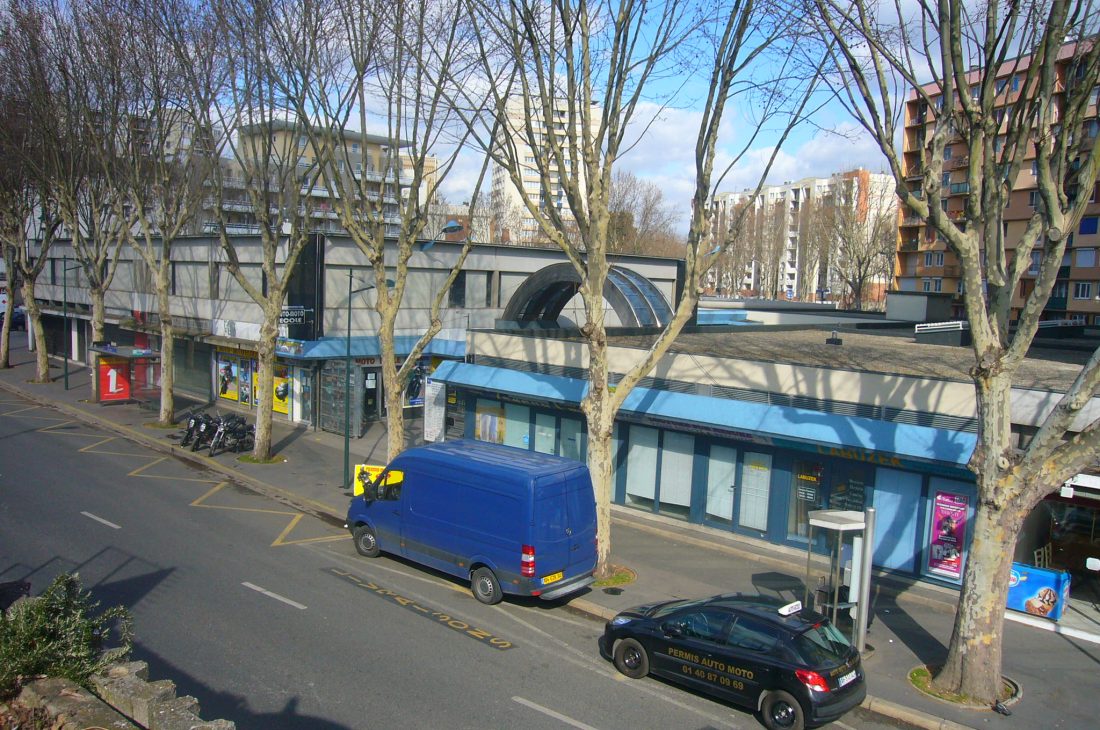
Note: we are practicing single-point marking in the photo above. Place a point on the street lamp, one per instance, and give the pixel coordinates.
(66, 339)
(347, 381)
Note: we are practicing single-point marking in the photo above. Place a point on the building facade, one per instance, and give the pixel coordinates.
(924, 263)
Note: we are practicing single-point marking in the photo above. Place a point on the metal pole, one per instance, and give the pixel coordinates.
(347, 396)
(865, 577)
(66, 337)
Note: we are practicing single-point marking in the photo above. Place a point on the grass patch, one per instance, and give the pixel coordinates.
(250, 459)
(620, 576)
(921, 678)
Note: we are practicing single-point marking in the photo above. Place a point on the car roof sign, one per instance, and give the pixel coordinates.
(790, 608)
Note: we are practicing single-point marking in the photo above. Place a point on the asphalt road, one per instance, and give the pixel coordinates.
(270, 619)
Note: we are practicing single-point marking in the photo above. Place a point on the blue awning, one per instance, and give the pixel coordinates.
(335, 348)
(865, 439)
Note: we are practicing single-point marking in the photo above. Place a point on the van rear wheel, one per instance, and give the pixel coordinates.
(365, 541)
(486, 587)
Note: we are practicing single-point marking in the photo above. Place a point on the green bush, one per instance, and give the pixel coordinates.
(57, 635)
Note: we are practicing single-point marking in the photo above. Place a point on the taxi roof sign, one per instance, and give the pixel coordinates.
(790, 608)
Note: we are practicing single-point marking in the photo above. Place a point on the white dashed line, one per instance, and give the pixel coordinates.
(550, 713)
(101, 521)
(276, 596)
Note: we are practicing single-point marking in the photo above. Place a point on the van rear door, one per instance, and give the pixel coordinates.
(552, 540)
(581, 505)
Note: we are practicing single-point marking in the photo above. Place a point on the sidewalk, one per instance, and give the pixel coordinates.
(911, 625)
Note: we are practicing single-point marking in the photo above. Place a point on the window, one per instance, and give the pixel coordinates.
(301, 141)
(708, 624)
(945, 181)
(1001, 84)
(937, 284)
(975, 92)
(1036, 259)
(1082, 290)
(947, 152)
(1034, 168)
(1033, 198)
(1086, 257)
(1016, 82)
(355, 147)
(748, 633)
(1089, 225)
(933, 258)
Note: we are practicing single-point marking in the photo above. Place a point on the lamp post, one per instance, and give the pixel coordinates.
(347, 386)
(66, 339)
(451, 227)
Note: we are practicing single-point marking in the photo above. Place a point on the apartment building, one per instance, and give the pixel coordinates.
(789, 246)
(924, 263)
(513, 222)
(371, 166)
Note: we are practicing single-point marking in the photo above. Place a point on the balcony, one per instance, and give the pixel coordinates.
(912, 220)
(908, 245)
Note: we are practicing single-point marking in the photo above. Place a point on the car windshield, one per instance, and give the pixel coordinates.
(822, 644)
(676, 606)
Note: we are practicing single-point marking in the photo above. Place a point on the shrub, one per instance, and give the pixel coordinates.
(57, 635)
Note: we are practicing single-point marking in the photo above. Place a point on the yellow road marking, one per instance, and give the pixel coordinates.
(23, 410)
(99, 443)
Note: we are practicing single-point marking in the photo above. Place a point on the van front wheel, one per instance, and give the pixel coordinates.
(365, 541)
(485, 586)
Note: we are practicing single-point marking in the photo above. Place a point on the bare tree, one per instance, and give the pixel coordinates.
(641, 221)
(861, 219)
(38, 125)
(171, 149)
(262, 133)
(583, 70)
(400, 59)
(1002, 84)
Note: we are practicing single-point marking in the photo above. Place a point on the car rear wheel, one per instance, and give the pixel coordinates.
(631, 659)
(486, 587)
(781, 711)
(365, 542)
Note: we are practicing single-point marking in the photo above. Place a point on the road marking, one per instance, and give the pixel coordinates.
(276, 596)
(550, 713)
(102, 521)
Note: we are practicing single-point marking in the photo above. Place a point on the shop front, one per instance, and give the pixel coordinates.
(750, 468)
(236, 380)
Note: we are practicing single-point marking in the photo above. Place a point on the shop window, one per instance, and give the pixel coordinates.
(517, 422)
(489, 423)
(677, 458)
(641, 466)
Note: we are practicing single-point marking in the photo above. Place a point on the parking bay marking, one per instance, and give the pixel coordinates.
(447, 620)
(101, 521)
(550, 713)
(276, 596)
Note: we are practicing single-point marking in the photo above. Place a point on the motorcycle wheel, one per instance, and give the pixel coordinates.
(215, 444)
(186, 439)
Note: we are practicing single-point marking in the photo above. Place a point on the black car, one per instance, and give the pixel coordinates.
(789, 663)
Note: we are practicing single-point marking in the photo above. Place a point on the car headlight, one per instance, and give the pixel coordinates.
(621, 620)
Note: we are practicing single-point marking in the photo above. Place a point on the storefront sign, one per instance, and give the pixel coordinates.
(114, 379)
(294, 315)
(948, 534)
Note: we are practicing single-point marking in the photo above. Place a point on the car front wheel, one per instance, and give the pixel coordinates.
(631, 658)
(781, 711)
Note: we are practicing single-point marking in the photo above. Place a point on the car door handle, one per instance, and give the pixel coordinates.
(569, 531)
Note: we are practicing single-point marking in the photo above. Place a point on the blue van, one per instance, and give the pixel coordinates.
(509, 520)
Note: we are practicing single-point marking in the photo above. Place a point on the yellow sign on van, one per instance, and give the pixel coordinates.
(364, 475)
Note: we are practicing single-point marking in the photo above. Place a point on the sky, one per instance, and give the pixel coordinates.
(665, 155)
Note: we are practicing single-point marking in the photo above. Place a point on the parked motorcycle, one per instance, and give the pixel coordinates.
(204, 430)
(189, 430)
(231, 434)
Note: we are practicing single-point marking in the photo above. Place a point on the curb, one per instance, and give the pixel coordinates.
(916, 718)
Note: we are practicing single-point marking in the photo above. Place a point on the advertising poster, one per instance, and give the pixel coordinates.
(114, 379)
(281, 388)
(227, 377)
(1038, 591)
(364, 475)
(414, 387)
(245, 391)
(948, 535)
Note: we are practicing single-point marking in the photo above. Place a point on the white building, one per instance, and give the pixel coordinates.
(523, 142)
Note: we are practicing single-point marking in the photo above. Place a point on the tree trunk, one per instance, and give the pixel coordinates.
(167, 373)
(395, 419)
(99, 316)
(265, 382)
(973, 664)
(599, 465)
(5, 333)
(34, 322)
